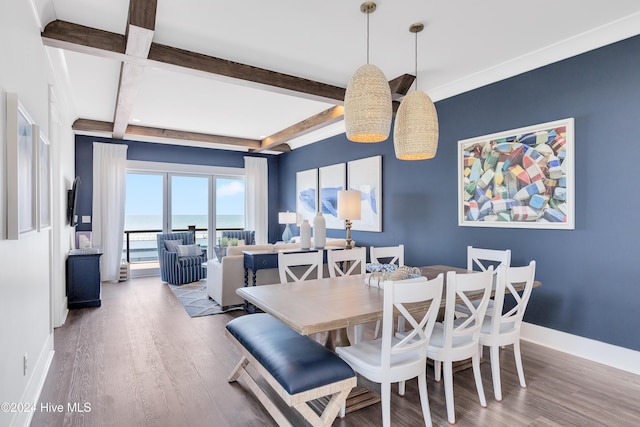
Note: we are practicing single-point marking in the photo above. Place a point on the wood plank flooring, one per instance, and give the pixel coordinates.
(140, 360)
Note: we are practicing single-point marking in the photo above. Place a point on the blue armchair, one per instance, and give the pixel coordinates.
(175, 269)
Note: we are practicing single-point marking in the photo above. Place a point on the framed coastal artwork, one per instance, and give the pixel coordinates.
(22, 140)
(331, 180)
(521, 178)
(365, 175)
(307, 194)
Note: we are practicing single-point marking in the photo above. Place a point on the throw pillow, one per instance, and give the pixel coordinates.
(172, 245)
(189, 250)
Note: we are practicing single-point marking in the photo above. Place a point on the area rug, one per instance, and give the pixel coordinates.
(195, 300)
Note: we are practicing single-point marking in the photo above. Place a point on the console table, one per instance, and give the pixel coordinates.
(260, 260)
(83, 278)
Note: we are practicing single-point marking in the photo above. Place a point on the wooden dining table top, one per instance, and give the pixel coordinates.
(331, 303)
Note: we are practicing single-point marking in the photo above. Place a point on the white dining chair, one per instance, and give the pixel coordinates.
(391, 359)
(387, 255)
(501, 329)
(307, 263)
(479, 259)
(459, 339)
(344, 263)
(300, 266)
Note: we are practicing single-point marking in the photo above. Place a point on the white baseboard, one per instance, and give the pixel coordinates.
(36, 383)
(62, 316)
(65, 313)
(596, 351)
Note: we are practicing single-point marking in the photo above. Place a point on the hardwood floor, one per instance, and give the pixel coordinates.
(140, 360)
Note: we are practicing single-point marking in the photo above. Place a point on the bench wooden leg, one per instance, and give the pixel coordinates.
(240, 372)
(237, 370)
(309, 415)
(335, 406)
(327, 417)
(330, 411)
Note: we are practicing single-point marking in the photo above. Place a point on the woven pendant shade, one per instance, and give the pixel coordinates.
(367, 106)
(415, 133)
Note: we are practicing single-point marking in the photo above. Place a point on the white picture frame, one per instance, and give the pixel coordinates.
(331, 179)
(365, 175)
(22, 137)
(307, 194)
(520, 178)
(44, 182)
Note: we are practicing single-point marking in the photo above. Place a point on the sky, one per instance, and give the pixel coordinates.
(189, 195)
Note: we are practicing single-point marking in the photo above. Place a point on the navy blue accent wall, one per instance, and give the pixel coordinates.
(154, 152)
(590, 276)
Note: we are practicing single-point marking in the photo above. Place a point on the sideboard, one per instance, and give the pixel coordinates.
(83, 279)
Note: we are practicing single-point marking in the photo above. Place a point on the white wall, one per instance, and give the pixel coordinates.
(63, 157)
(26, 270)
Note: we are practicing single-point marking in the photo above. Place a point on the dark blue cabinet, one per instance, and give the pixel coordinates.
(83, 279)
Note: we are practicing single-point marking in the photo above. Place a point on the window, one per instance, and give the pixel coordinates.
(143, 217)
(168, 197)
(189, 202)
(230, 203)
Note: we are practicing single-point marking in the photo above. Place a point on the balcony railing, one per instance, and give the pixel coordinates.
(141, 245)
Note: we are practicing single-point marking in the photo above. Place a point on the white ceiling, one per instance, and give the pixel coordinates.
(465, 44)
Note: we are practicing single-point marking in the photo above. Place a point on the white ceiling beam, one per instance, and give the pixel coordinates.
(139, 37)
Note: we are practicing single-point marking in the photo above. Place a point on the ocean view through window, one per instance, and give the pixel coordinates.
(159, 202)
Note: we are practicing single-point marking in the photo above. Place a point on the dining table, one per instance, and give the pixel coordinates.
(333, 304)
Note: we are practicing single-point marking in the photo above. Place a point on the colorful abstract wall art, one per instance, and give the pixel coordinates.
(521, 178)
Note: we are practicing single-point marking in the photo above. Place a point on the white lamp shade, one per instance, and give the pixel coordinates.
(415, 133)
(367, 105)
(349, 205)
(287, 217)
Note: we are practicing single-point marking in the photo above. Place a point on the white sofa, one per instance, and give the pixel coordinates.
(223, 278)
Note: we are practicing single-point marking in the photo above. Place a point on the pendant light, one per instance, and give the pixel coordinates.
(415, 134)
(367, 101)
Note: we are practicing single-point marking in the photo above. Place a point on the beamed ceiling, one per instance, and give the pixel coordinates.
(271, 76)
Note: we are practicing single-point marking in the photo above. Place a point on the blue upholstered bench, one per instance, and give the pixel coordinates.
(298, 368)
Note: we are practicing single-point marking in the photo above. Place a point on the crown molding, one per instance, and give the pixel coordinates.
(576, 45)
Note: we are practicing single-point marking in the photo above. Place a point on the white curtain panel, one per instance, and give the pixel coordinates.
(257, 197)
(109, 195)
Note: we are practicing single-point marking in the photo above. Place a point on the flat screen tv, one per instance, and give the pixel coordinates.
(72, 198)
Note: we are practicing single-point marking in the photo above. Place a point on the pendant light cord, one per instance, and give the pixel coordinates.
(368, 38)
(416, 60)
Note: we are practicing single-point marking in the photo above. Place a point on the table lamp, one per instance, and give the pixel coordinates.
(287, 218)
(349, 208)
